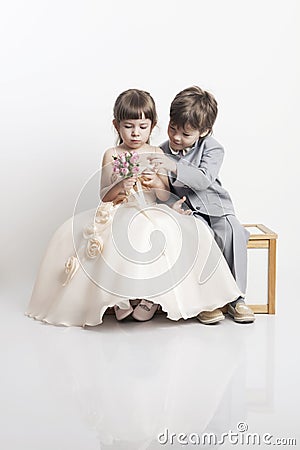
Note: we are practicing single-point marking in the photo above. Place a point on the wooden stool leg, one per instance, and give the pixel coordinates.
(272, 276)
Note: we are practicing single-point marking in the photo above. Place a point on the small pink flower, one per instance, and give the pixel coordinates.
(135, 169)
(116, 170)
(116, 162)
(124, 171)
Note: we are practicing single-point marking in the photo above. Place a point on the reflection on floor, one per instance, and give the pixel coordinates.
(139, 385)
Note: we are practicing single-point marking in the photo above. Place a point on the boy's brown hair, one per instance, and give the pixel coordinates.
(194, 107)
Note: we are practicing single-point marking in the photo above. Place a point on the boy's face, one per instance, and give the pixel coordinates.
(181, 138)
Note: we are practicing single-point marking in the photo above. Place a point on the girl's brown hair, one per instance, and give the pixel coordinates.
(194, 107)
(135, 104)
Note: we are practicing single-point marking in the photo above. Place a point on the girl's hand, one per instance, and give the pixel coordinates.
(178, 207)
(119, 198)
(151, 180)
(128, 183)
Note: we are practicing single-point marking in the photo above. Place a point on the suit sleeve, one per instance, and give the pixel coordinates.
(201, 177)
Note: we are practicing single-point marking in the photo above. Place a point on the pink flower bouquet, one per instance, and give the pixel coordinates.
(126, 164)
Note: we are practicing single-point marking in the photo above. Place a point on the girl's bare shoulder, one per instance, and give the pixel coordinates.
(108, 154)
(111, 151)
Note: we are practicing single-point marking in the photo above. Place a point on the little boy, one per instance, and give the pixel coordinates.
(193, 159)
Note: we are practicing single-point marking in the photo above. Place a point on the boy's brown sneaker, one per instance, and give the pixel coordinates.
(210, 317)
(241, 313)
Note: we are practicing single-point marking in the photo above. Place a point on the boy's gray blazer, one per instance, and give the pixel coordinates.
(197, 178)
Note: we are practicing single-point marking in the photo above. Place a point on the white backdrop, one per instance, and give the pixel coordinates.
(64, 62)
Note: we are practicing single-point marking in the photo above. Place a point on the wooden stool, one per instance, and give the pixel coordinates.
(263, 237)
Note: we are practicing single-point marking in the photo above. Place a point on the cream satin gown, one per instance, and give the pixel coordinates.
(138, 249)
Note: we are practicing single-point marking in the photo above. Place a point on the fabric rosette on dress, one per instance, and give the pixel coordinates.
(94, 242)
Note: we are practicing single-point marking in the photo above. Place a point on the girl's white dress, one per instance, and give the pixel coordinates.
(138, 249)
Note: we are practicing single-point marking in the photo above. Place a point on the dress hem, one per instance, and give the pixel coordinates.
(186, 317)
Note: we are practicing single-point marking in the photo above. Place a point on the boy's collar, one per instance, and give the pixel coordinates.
(184, 151)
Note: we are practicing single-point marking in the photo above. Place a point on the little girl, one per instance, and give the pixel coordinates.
(131, 252)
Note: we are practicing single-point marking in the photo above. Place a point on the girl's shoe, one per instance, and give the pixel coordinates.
(121, 314)
(144, 311)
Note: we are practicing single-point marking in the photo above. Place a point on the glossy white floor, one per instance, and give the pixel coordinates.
(131, 385)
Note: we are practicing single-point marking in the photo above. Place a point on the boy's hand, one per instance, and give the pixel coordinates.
(164, 162)
(178, 207)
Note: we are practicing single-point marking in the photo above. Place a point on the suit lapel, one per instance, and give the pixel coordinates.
(194, 156)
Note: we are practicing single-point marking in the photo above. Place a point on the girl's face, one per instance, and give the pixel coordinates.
(181, 138)
(134, 132)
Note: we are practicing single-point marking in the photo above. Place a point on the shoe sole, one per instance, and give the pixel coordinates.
(142, 320)
(246, 319)
(211, 321)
